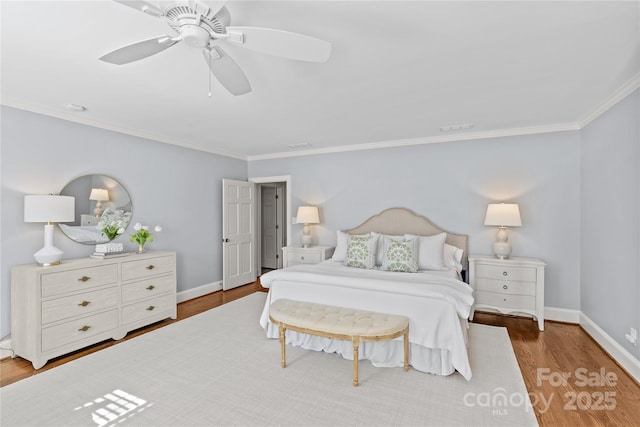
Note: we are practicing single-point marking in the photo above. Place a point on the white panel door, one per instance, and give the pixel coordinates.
(238, 233)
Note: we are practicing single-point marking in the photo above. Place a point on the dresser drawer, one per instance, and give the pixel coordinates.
(132, 270)
(506, 286)
(513, 302)
(80, 304)
(147, 288)
(77, 280)
(147, 308)
(294, 257)
(60, 335)
(526, 274)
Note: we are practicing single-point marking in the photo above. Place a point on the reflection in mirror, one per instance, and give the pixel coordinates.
(103, 209)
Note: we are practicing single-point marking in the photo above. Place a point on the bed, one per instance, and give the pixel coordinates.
(434, 298)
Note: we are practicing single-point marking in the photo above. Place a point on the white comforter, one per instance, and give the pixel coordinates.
(437, 307)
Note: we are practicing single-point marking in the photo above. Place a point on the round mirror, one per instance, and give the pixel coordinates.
(103, 209)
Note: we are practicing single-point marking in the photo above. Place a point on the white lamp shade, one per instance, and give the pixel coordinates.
(49, 208)
(503, 215)
(99, 194)
(308, 215)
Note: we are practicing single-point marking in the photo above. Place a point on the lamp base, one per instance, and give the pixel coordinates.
(306, 241)
(49, 254)
(502, 250)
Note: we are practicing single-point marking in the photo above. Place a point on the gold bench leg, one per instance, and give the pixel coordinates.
(406, 350)
(356, 345)
(283, 344)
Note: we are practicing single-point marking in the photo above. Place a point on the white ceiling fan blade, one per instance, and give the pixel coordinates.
(227, 71)
(142, 6)
(280, 43)
(139, 50)
(214, 5)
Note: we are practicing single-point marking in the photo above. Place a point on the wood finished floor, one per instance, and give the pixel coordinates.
(584, 399)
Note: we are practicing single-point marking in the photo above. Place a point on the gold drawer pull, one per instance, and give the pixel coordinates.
(150, 308)
(302, 258)
(85, 328)
(505, 287)
(504, 273)
(83, 279)
(84, 303)
(150, 287)
(150, 267)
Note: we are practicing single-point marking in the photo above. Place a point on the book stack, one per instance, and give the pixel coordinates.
(109, 250)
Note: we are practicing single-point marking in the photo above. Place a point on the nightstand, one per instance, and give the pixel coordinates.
(292, 255)
(512, 285)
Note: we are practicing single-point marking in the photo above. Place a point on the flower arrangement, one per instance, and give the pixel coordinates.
(143, 235)
(112, 223)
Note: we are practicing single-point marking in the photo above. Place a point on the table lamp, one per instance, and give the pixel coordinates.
(502, 215)
(101, 195)
(307, 215)
(40, 208)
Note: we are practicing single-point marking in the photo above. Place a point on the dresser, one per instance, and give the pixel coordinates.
(512, 285)
(293, 255)
(59, 309)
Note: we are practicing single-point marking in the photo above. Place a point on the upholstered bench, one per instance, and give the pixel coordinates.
(339, 323)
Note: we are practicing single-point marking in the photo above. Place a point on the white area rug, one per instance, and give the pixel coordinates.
(217, 368)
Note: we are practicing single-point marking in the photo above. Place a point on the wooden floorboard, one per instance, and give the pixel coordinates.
(583, 399)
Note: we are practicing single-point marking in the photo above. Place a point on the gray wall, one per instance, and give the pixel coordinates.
(172, 186)
(610, 208)
(451, 183)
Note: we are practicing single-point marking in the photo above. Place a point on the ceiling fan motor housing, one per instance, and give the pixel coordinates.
(195, 25)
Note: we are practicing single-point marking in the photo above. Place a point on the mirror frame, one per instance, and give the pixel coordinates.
(86, 219)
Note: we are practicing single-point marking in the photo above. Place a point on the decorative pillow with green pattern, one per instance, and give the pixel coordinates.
(361, 252)
(400, 256)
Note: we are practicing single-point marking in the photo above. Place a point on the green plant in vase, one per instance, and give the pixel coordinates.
(113, 223)
(143, 235)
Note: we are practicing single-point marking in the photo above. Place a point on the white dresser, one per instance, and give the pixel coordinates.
(293, 255)
(62, 308)
(513, 285)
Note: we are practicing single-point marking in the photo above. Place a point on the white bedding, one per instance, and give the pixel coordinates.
(436, 303)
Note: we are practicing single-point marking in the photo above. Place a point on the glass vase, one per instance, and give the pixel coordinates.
(140, 248)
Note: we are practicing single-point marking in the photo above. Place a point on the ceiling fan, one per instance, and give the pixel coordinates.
(205, 24)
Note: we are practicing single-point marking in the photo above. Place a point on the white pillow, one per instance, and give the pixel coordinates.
(400, 256)
(430, 251)
(340, 252)
(453, 257)
(361, 252)
(380, 254)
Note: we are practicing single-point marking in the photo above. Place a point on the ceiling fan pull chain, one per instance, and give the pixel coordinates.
(209, 73)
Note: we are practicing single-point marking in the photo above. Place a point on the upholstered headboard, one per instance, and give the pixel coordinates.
(399, 221)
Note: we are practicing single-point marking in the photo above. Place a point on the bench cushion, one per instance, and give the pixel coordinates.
(336, 320)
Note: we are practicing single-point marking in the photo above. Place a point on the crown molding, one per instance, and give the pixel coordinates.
(560, 127)
(76, 118)
(612, 100)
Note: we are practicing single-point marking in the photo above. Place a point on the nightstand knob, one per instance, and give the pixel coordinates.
(302, 257)
(505, 287)
(504, 273)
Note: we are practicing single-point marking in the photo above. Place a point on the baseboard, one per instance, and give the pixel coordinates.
(5, 348)
(562, 315)
(199, 291)
(611, 346)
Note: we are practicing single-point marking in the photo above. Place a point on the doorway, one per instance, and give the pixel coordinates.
(273, 216)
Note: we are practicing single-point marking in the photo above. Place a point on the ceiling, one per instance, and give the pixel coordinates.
(398, 72)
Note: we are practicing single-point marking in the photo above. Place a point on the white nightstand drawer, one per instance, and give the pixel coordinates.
(506, 272)
(75, 330)
(147, 288)
(146, 267)
(80, 304)
(512, 302)
(78, 280)
(303, 257)
(147, 308)
(506, 286)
